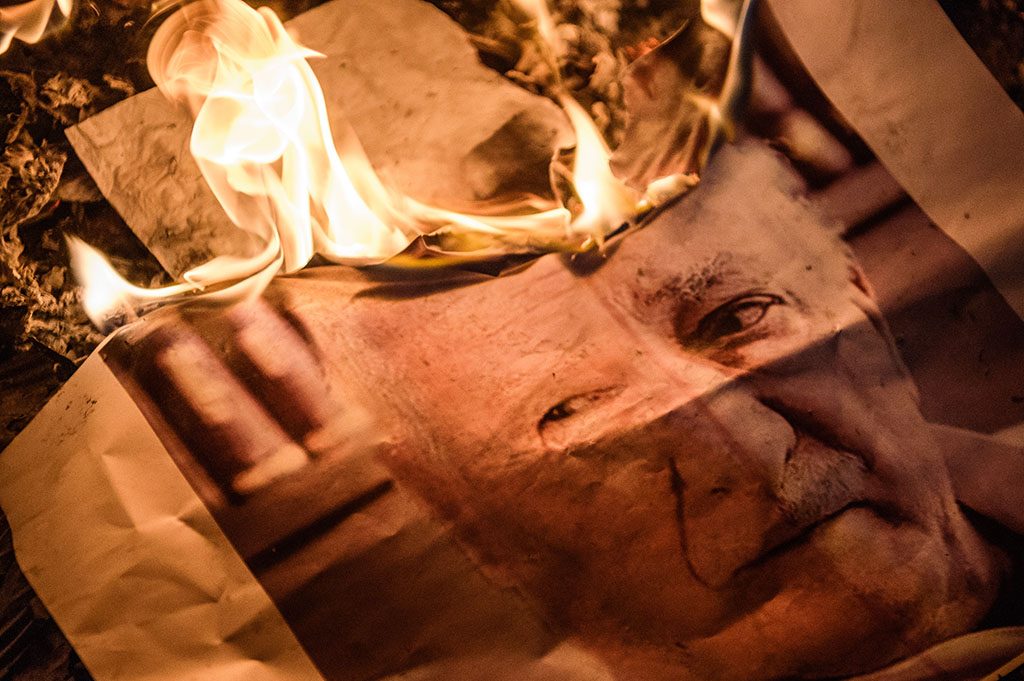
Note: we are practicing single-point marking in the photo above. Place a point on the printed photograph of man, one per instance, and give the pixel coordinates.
(697, 456)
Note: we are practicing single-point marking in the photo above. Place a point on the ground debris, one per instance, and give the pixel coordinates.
(45, 88)
(38, 302)
(599, 38)
(43, 330)
(29, 174)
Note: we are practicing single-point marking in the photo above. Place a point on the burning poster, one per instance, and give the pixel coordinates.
(726, 427)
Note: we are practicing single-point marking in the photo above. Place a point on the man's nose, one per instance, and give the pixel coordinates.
(726, 451)
(713, 423)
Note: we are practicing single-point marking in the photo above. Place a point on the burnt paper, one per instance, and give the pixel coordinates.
(436, 124)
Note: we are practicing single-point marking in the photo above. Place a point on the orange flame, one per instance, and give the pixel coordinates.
(262, 140)
(28, 21)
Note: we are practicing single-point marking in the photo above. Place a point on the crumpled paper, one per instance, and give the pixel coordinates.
(147, 585)
(435, 122)
(91, 458)
(146, 575)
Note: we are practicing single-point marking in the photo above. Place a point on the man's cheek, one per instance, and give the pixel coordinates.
(878, 389)
(579, 505)
(868, 358)
(838, 359)
(621, 527)
(878, 413)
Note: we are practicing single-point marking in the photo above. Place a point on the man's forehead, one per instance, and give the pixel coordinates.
(745, 226)
(555, 327)
(748, 222)
(686, 257)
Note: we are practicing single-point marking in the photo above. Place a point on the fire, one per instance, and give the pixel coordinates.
(544, 26)
(262, 140)
(108, 299)
(607, 202)
(29, 20)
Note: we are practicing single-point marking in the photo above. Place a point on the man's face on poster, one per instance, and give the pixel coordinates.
(699, 453)
(704, 457)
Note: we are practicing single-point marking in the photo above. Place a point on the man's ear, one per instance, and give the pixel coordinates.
(859, 279)
(987, 474)
(866, 300)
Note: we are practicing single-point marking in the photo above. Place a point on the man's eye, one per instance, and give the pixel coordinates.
(734, 317)
(576, 404)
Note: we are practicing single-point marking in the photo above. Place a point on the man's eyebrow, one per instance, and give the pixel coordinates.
(693, 285)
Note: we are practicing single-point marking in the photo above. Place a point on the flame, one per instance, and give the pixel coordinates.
(262, 140)
(28, 21)
(607, 202)
(109, 299)
(263, 143)
(544, 26)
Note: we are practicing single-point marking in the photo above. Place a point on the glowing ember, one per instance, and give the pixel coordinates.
(263, 143)
(28, 21)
